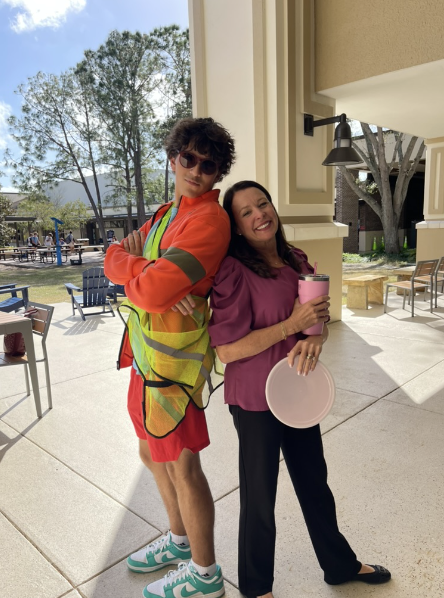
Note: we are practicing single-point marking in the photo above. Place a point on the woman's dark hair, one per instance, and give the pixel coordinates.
(243, 251)
(207, 137)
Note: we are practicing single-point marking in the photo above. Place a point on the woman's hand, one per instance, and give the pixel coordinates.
(185, 306)
(308, 350)
(307, 314)
(134, 243)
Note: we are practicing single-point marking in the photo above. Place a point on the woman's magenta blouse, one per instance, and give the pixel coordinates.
(241, 302)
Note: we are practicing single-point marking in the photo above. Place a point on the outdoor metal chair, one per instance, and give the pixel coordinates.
(439, 279)
(94, 293)
(422, 278)
(13, 303)
(433, 281)
(40, 326)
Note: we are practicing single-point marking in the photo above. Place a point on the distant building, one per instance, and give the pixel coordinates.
(114, 211)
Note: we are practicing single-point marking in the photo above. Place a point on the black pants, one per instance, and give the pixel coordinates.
(261, 436)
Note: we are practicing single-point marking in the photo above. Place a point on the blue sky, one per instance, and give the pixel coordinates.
(51, 35)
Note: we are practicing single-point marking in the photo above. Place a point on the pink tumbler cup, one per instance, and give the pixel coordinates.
(310, 287)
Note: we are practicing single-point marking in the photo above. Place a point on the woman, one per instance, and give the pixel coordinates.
(48, 240)
(257, 321)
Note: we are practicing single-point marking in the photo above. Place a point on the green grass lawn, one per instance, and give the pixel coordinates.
(47, 284)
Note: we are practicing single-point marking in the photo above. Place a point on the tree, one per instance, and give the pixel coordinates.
(6, 232)
(58, 135)
(72, 213)
(122, 74)
(173, 47)
(155, 190)
(100, 118)
(389, 207)
(39, 207)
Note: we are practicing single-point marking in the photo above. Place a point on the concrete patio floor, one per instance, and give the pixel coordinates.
(75, 501)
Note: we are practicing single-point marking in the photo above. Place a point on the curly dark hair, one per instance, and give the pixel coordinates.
(207, 137)
(243, 251)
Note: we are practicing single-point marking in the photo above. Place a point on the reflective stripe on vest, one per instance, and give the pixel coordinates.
(176, 366)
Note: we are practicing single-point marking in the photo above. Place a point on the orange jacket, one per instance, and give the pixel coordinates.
(191, 250)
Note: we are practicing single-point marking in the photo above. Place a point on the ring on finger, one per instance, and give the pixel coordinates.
(309, 357)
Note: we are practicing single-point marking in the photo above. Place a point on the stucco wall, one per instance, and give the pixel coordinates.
(430, 244)
(358, 39)
(248, 73)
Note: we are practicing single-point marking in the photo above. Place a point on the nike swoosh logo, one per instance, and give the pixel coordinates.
(186, 594)
(164, 557)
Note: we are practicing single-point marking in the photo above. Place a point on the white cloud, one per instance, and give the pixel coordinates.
(5, 113)
(41, 13)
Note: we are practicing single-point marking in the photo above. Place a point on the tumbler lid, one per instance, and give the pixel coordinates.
(315, 277)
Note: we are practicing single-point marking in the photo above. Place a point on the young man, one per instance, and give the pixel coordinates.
(168, 268)
(69, 240)
(33, 240)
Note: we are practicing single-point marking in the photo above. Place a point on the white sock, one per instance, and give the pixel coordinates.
(180, 540)
(204, 571)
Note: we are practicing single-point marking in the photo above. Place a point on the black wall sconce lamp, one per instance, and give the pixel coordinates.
(342, 154)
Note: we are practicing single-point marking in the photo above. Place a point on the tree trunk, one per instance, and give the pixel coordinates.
(141, 214)
(129, 215)
(390, 222)
(391, 240)
(129, 203)
(102, 232)
(167, 172)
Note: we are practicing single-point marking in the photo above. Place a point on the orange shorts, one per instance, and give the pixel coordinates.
(191, 433)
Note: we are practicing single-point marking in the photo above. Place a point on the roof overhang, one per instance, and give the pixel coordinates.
(408, 100)
(20, 219)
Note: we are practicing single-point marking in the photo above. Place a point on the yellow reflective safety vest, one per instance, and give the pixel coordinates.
(176, 366)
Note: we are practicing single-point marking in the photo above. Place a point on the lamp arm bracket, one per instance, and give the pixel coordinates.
(310, 123)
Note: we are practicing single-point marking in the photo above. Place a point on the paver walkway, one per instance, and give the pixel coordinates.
(74, 500)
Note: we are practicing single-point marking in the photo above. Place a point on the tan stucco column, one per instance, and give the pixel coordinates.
(430, 237)
(252, 71)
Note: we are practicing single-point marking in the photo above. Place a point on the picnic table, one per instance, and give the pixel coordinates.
(4, 253)
(23, 253)
(51, 253)
(48, 254)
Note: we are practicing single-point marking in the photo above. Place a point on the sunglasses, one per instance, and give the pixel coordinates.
(189, 160)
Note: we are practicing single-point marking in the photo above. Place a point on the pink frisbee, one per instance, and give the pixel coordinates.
(299, 401)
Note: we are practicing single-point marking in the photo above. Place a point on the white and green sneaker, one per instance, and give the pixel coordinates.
(186, 583)
(157, 555)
